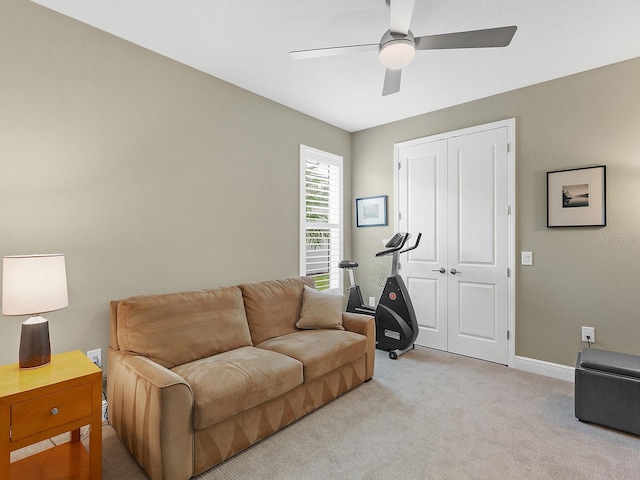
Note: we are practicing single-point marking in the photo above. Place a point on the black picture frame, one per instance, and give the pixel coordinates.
(577, 197)
(371, 211)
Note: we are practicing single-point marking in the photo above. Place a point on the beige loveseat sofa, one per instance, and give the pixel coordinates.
(196, 377)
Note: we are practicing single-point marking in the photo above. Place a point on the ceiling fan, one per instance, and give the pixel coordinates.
(398, 45)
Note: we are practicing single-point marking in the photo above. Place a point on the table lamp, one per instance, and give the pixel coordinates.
(32, 285)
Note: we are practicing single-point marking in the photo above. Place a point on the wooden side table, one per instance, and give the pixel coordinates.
(40, 403)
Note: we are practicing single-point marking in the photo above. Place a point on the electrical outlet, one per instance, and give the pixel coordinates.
(590, 332)
(95, 356)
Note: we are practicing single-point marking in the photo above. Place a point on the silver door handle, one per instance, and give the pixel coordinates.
(441, 270)
(454, 271)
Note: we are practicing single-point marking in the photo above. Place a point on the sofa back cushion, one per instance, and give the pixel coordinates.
(273, 306)
(177, 328)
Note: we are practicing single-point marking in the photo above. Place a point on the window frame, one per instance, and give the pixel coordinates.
(318, 156)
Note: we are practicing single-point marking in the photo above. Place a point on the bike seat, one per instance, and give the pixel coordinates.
(347, 264)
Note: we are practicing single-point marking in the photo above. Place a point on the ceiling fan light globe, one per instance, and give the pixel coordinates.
(397, 54)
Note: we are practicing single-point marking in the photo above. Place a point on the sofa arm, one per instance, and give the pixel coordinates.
(364, 325)
(151, 409)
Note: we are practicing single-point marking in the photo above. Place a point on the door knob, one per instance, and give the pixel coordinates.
(454, 271)
(441, 270)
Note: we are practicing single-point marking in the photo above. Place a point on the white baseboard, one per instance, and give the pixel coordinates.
(548, 369)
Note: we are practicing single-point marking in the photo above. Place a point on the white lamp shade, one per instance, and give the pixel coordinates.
(33, 284)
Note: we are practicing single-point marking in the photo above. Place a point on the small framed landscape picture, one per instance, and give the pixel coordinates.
(371, 211)
(577, 197)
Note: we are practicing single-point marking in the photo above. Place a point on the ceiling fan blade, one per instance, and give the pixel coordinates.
(400, 12)
(326, 52)
(391, 82)
(491, 37)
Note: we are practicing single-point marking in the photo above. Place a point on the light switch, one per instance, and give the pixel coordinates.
(527, 258)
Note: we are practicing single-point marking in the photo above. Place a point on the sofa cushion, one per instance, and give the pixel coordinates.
(320, 351)
(273, 306)
(177, 328)
(232, 382)
(320, 310)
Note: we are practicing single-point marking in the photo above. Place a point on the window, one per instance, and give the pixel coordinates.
(321, 217)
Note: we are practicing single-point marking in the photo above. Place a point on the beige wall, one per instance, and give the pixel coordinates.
(148, 175)
(581, 276)
(153, 177)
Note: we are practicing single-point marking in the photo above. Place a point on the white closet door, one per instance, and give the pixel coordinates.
(423, 203)
(455, 190)
(477, 247)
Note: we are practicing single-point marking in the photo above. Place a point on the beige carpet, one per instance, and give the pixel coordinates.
(430, 415)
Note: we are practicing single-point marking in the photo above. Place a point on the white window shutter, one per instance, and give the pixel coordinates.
(321, 217)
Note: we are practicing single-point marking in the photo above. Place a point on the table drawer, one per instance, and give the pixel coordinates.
(49, 411)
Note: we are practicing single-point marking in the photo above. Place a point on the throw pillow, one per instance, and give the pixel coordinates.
(320, 310)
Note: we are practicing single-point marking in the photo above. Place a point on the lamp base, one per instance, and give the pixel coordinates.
(35, 347)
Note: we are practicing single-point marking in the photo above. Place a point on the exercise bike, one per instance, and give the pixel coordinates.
(396, 324)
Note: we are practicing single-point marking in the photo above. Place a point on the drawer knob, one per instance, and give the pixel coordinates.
(54, 411)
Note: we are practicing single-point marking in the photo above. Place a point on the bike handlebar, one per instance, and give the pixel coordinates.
(397, 242)
(415, 245)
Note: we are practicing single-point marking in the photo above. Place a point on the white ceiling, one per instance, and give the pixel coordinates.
(247, 43)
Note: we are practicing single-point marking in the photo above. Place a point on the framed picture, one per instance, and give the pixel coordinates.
(577, 197)
(371, 211)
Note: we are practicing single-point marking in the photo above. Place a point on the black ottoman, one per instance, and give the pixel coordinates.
(607, 389)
